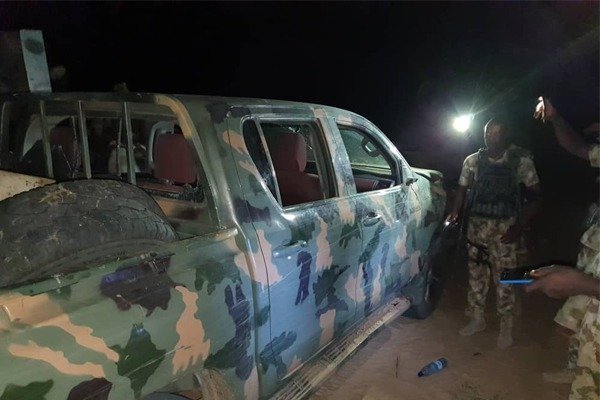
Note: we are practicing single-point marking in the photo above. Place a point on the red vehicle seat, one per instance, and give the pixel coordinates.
(289, 161)
(173, 160)
(365, 184)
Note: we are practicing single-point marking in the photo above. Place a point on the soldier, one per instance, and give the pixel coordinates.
(496, 220)
(580, 313)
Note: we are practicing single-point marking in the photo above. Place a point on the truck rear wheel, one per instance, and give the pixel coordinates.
(432, 291)
(71, 226)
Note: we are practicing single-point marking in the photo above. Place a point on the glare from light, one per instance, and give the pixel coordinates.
(462, 123)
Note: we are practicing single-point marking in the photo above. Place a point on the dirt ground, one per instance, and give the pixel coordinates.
(386, 367)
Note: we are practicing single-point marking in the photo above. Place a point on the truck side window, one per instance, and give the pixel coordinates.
(372, 167)
(106, 138)
(259, 155)
(165, 166)
(296, 158)
(162, 158)
(65, 148)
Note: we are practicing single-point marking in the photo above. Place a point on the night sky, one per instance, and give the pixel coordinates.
(408, 67)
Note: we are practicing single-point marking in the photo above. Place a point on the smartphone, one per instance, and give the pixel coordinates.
(517, 276)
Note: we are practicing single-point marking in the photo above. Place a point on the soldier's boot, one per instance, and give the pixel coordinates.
(476, 324)
(505, 339)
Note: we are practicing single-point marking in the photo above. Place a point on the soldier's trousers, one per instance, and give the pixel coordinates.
(571, 316)
(488, 255)
(586, 385)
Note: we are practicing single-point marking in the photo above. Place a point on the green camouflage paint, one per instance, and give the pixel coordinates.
(228, 297)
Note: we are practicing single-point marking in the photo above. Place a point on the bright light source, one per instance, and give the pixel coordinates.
(462, 123)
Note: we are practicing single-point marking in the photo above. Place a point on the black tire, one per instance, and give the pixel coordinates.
(431, 284)
(71, 226)
(432, 291)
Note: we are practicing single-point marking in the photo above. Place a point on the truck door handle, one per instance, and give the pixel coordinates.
(288, 249)
(371, 219)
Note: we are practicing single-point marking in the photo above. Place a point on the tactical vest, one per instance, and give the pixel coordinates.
(496, 193)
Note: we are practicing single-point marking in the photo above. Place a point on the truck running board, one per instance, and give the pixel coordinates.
(316, 371)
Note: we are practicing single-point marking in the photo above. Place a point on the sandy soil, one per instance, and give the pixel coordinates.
(386, 366)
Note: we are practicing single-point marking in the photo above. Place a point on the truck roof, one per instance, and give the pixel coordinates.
(188, 99)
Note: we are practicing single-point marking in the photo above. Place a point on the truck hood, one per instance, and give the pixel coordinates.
(430, 174)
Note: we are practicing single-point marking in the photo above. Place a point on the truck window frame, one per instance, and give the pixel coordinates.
(125, 111)
(394, 163)
(322, 157)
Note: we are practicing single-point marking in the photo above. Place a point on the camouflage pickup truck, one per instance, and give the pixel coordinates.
(156, 246)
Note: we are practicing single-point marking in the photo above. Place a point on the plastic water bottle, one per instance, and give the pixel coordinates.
(433, 367)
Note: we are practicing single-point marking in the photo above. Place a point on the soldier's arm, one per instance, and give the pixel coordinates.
(570, 140)
(533, 193)
(530, 210)
(590, 286)
(461, 192)
(459, 199)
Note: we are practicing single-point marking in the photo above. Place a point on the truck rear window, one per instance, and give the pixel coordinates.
(104, 135)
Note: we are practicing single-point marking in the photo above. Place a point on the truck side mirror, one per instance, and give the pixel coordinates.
(410, 181)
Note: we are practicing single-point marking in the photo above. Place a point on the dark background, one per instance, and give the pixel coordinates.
(408, 67)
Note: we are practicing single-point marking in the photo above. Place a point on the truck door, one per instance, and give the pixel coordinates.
(307, 232)
(381, 202)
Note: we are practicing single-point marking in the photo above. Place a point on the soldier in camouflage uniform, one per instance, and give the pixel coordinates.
(582, 309)
(570, 316)
(494, 176)
(580, 313)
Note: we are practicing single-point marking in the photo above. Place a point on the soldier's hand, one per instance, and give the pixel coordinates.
(544, 110)
(512, 234)
(560, 282)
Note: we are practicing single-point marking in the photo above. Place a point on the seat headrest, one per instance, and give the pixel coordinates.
(290, 152)
(173, 159)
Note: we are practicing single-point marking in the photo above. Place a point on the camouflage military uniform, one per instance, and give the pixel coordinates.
(594, 156)
(571, 314)
(487, 254)
(581, 315)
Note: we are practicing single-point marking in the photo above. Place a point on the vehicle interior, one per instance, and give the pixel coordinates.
(155, 151)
